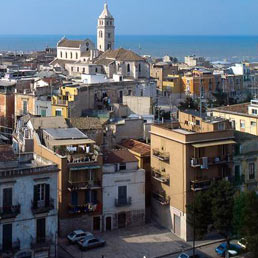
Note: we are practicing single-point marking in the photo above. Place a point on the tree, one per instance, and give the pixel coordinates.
(199, 214)
(189, 103)
(222, 201)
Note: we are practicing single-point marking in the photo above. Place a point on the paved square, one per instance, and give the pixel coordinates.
(149, 240)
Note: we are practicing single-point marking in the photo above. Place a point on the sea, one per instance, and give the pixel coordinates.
(214, 48)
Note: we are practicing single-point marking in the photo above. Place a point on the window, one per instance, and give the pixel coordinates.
(242, 124)
(110, 22)
(78, 69)
(251, 171)
(122, 194)
(7, 198)
(140, 68)
(71, 55)
(76, 55)
(96, 70)
(74, 198)
(41, 195)
(109, 45)
(65, 54)
(43, 112)
(253, 123)
(128, 68)
(58, 112)
(61, 54)
(72, 68)
(100, 34)
(109, 35)
(83, 70)
(197, 122)
(122, 166)
(91, 196)
(25, 107)
(221, 126)
(254, 111)
(129, 92)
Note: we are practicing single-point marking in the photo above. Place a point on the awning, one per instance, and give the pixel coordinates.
(209, 144)
(84, 168)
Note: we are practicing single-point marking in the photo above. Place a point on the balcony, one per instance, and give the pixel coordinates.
(161, 198)
(87, 208)
(199, 185)
(92, 184)
(160, 176)
(44, 206)
(82, 158)
(9, 212)
(12, 247)
(163, 156)
(123, 202)
(41, 243)
(210, 161)
(60, 102)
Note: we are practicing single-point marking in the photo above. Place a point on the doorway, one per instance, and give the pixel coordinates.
(96, 224)
(108, 224)
(121, 220)
(7, 237)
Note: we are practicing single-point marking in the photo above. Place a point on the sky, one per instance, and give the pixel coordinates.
(132, 17)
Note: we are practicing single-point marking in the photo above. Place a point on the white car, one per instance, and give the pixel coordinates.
(77, 235)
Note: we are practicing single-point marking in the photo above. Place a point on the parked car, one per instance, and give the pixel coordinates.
(77, 235)
(234, 249)
(90, 242)
(243, 243)
(183, 255)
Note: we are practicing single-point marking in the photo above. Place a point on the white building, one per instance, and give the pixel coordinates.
(28, 205)
(123, 190)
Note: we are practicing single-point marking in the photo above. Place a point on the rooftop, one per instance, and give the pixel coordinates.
(65, 133)
(86, 123)
(48, 122)
(136, 146)
(105, 13)
(237, 109)
(70, 43)
(118, 156)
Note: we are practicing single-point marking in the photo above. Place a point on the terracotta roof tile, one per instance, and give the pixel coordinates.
(136, 146)
(119, 156)
(70, 43)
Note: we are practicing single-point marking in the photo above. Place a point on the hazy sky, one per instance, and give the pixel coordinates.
(170, 17)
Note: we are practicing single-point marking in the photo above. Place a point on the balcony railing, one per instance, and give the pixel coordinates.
(60, 102)
(163, 156)
(82, 158)
(73, 186)
(199, 185)
(39, 243)
(44, 206)
(10, 211)
(11, 247)
(160, 176)
(199, 162)
(161, 198)
(87, 208)
(123, 202)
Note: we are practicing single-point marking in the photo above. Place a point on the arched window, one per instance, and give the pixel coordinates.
(96, 70)
(61, 54)
(76, 55)
(65, 54)
(140, 68)
(71, 55)
(128, 68)
(109, 45)
(100, 34)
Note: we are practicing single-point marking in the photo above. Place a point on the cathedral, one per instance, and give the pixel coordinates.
(78, 57)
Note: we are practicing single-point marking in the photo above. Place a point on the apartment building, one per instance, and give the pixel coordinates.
(244, 117)
(28, 205)
(7, 103)
(123, 190)
(187, 156)
(80, 179)
(199, 80)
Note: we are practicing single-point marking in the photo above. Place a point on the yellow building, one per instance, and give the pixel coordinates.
(172, 85)
(61, 104)
(242, 120)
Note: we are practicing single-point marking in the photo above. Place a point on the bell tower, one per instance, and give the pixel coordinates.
(105, 30)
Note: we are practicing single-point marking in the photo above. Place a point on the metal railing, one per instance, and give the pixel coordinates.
(10, 211)
(11, 247)
(161, 198)
(84, 185)
(123, 202)
(42, 206)
(163, 156)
